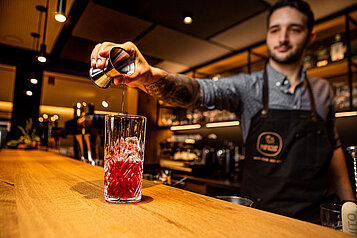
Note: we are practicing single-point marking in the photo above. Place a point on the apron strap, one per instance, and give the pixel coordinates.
(312, 100)
(264, 112)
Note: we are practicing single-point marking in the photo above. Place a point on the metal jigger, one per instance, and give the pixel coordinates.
(353, 152)
(119, 63)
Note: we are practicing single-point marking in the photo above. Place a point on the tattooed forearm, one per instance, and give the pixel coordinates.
(176, 89)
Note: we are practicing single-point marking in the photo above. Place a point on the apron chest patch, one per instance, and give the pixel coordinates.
(269, 144)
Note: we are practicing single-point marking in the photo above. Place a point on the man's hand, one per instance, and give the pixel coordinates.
(142, 75)
(175, 89)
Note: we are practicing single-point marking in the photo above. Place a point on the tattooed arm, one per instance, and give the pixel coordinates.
(177, 90)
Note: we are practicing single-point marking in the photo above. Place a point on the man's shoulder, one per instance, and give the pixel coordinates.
(248, 78)
(258, 74)
(255, 74)
(318, 82)
(253, 77)
(322, 88)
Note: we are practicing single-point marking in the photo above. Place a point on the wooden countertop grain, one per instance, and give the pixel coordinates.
(43, 194)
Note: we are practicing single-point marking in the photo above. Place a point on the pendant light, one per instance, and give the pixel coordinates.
(42, 56)
(61, 11)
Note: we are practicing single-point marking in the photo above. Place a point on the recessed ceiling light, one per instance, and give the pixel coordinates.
(105, 104)
(34, 81)
(42, 59)
(187, 20)
(29, 93)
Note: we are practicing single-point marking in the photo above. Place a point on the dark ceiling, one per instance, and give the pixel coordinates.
(152, 25)
(211, 16)
(220, 28)
(155, 26)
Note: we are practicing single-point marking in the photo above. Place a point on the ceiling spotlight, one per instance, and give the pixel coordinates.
(42, 56)
(187, 17)
(42, 59)
(45, 116)
(56, 117)
(40, 119)
(61, 11)
(60, 17)
(29, 93)
(187, 20)
(79, 105)
(105, 104)
(34, 81)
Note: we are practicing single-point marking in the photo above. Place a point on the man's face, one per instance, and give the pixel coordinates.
(287, 35)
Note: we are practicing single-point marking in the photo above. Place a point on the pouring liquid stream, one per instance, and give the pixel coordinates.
(122, 98)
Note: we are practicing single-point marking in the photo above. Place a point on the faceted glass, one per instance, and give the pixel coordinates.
(124, 157)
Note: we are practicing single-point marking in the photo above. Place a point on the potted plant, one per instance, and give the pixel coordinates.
(28, 140)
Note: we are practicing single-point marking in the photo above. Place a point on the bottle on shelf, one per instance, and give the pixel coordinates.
(337, 50)
(354, 94)
(308, 61)
(166, 119)
(346, 93)
(322, 56)
(342, 95)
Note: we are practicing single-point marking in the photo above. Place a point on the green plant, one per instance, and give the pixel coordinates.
(29, 137)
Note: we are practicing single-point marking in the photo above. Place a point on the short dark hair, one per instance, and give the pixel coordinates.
(299, 5)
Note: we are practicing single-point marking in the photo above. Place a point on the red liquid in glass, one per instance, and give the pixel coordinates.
(123, 174)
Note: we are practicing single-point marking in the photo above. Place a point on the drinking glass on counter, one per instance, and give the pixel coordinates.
(352, 150)
(330, 214)
(124, 157)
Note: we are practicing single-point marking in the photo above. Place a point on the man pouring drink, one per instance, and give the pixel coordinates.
(294, 159)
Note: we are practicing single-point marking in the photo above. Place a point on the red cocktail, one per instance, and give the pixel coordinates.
(123, 170)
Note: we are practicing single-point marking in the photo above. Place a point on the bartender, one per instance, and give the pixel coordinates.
(294, 159)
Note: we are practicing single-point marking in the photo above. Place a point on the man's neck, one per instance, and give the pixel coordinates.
(292, 72)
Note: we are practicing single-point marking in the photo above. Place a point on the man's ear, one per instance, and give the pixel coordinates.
(312, 38)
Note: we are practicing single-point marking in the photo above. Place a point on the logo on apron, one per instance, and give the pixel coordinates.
(269, 144)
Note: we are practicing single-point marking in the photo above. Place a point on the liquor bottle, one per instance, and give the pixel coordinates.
(322, 56)
(308, 61)
(337, 50)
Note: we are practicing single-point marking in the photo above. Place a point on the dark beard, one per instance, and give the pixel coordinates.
(293, 58)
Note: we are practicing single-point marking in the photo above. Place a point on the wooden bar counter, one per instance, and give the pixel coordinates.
(43, 194)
